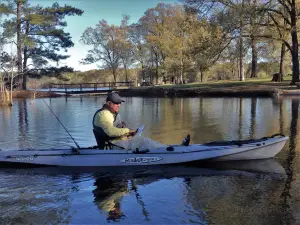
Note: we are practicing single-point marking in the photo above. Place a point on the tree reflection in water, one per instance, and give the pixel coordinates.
(287, 217)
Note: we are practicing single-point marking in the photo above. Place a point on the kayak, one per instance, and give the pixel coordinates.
(263, 148)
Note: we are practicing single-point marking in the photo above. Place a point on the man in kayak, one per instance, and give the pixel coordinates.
(109, 128)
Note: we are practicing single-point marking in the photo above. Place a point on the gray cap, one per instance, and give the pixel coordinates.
(114, 97)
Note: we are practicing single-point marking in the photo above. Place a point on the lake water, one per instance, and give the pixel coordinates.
(258, 192)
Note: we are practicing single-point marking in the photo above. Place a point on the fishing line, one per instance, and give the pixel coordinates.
(62, 125)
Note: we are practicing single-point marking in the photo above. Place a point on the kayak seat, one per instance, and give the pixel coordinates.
(102, 142)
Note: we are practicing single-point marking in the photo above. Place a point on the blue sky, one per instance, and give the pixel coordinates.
(94, 11)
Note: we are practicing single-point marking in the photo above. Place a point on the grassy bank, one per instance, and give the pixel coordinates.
(248, 88)
(251, 83)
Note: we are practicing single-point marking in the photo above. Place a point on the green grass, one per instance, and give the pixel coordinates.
(249, 83)
(231, 83)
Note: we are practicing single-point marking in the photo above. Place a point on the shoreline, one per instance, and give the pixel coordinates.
(266, 89)
(163, 92)
(30, 94)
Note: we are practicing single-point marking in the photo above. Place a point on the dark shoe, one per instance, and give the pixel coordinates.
(186, 140)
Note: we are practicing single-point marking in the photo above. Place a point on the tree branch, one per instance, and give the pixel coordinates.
(279, 13)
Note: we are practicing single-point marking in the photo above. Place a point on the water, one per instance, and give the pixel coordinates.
(260, 192)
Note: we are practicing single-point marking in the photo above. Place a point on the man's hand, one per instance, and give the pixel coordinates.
(131, 132)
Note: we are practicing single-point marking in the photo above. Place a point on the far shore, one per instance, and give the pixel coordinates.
(217, 89)
(249, 88)
(30, 94)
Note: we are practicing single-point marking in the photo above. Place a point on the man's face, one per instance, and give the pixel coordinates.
(113, 106)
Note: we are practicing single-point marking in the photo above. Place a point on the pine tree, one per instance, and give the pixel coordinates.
(40, 33)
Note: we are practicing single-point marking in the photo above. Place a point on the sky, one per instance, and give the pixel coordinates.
(94, 11)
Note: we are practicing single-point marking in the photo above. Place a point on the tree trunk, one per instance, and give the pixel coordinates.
(126, 76)
(181, 61)
(237, 68)
(253, 40)
(294, 53)
(241, 58)
(114, 74)
(242, 76)
(181, 70)
(281, 67)
(25, 51)
(295, 75)
(143, 71)
(254, 57)
(19, 44)
(156, 68)
(11, 80)
(282, 55)
(156, 59)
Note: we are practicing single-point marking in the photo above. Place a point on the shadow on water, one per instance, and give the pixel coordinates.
(112, 185)
(287, 217)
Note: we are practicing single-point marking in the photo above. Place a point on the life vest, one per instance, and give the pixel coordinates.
(101, 137)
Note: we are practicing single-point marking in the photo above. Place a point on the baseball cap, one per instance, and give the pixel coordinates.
(114, 97)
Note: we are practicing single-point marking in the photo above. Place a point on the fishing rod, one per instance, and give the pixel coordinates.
(62, 124)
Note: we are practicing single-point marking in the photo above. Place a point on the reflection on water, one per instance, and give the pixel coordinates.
(253, 118)
(253, 201)
(27, 198)
(108, 194)
(287, 217)
(252, 192)
(169, 195)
